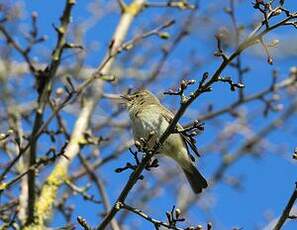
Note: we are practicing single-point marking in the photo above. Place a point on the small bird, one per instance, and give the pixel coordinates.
(149, 119)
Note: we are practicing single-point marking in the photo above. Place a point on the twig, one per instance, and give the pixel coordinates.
(203, 87)
(238, 64)
(83, 222)
(278, 86)
(36, 135)
(44, 85)
(114, 50)
(251, 142)
(286, 212)
(101, 188)
(155, 222)
(18, 48)
(122, 5)
(182, 5)
(41, 162)
(82, 192)
(169, 49)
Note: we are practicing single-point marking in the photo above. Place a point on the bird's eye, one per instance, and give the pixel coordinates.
(136, 95)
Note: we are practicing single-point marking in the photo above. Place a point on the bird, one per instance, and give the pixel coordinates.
(149, 120)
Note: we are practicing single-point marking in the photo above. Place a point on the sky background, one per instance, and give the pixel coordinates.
(268, 181)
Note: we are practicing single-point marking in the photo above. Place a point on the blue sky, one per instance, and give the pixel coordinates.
(268, 182)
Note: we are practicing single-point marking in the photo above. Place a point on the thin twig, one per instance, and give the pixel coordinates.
(155, 222)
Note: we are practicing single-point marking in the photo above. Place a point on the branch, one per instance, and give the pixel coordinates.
(278, 86)
(203, 87)
(286, 212)
(59, 173)
(18, 48)
(41, 162)
(41, 129)
(101, 188)
(82, 191)
(250, 143)
(44, 81)
(83, 222)
(186, 27)
(182, 5)
(122, 5)
(157, 223)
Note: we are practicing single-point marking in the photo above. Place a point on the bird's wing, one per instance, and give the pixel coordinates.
(189, 141)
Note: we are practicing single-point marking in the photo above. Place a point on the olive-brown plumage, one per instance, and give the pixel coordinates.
(148, 116)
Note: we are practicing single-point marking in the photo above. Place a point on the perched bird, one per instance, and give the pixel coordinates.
(149, 119)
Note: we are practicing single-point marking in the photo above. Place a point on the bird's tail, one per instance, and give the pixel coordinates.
(196, 180)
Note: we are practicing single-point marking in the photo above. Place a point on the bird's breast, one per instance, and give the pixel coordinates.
(147, 121)
(151, 120)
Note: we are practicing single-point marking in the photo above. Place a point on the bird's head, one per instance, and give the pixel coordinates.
(139, 99)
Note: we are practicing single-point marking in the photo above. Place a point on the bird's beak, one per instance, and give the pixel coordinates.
(126, 97)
